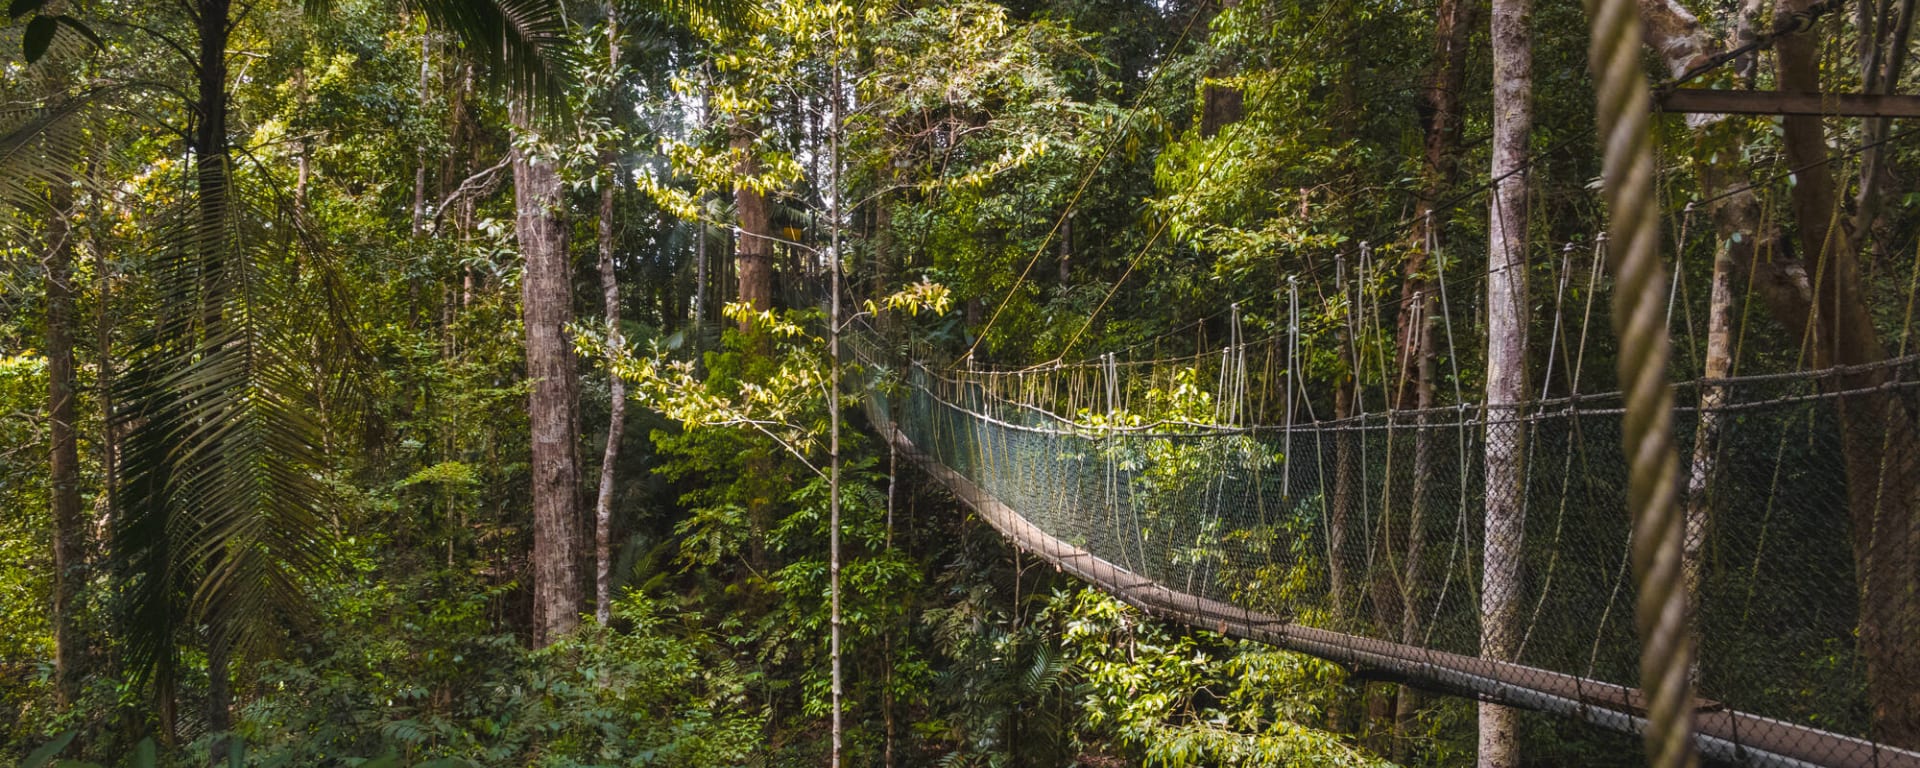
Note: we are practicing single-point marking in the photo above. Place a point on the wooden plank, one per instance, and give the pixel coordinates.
(1701, 100)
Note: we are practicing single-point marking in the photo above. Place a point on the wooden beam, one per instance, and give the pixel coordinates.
(1777, 103)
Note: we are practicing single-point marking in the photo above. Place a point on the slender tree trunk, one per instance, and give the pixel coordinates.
(1338, 518)
(211, 172)
(1066, 250)
(1501, 587)
(219, 697)
(1706, 435)
(1879, 443)
(69, 528)
(617, 405)
(1441, 108)
(616, 416)
(1882, 67)
(547, 301)
(420, 153)
(883, 257)
(302, 152)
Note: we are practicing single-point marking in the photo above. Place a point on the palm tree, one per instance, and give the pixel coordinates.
(224, 508)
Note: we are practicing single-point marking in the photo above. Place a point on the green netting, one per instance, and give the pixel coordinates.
(1373, 528)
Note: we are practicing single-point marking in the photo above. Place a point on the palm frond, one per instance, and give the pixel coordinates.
(223, 520)
(523, 42)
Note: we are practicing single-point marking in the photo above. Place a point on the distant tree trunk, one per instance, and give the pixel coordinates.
(1220, 105)
(617, 387)
(1881, 65)
(69, 528)
(1066, 249)
(1500, 591)
(1879, 443)
(883, 256)
(420, 153)
(616, 416)
(1441, 131)
(1706, 435)
(212, 155)
(547, 303)
(219, 697)
(755, 249)
(1339, 517)
(753, 263)
(302, 151)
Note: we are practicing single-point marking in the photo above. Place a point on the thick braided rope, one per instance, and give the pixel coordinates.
(1639, 319)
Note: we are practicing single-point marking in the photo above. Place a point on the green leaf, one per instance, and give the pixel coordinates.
(144, 754)
(40, 757)
(19, 8)
(388, 760)
(38, 36)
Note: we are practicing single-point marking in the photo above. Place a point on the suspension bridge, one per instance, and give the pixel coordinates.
(1360, 539)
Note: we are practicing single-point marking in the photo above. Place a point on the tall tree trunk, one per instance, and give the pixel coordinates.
(1703, 467)
(1441, 108)
(219, 697)
(69, 528)
(211, 158)
(420, 153)
(755, 248)
(616, 415)
(1500, 590)
(1881, 67)
(1340, 516)
(1220, 105)
(1879, 443)
(1066, 250)
(547, 302)
(617, 387)
(753, 263)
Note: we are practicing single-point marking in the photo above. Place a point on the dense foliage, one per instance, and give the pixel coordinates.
(299, 350)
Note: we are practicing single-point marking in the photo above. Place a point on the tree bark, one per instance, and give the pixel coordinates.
(617, 387)
(1220, 105)
(1681, 42)
(211, 159)
(755, 249)
(1879, 444)
(1500, 594)
(1703, 467)
(69, 527)
(547, 304)
(219, 697)
(753, 265)
(1440, 106)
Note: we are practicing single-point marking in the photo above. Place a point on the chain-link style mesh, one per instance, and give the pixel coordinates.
(1362, 540)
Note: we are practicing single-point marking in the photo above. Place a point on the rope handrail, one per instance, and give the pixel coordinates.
(1728, 735)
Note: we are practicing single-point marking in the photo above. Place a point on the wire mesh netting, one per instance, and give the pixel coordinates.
(1367, 539)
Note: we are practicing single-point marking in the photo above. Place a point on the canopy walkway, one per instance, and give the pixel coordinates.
(1358, 540)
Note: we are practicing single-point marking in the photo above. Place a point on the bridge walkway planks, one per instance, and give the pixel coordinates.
(1723, 735)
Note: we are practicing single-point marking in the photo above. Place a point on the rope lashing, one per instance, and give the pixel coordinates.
(1624, 111)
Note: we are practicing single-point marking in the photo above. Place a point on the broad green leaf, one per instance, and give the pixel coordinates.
(39, 35)
(45, 753)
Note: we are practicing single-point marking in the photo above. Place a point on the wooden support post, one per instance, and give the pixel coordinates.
(1702, 100)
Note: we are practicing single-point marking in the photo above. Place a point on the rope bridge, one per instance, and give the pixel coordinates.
(1357, 540)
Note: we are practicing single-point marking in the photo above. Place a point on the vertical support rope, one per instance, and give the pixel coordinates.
(1624, 110)
(833, 407)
